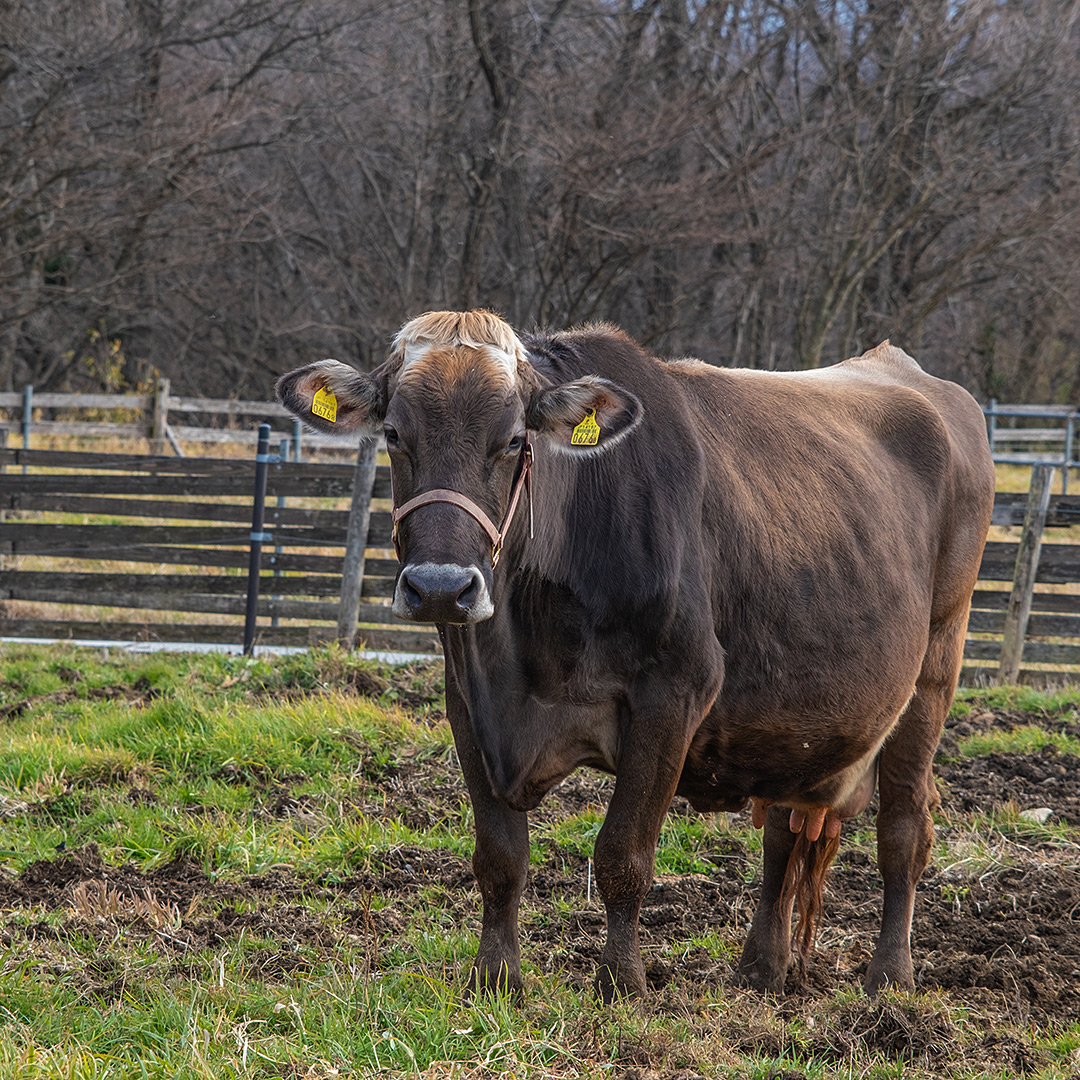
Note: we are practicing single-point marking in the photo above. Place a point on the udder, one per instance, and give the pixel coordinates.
(816, 818)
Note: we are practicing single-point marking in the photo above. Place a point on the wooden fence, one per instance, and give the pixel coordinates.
(163, 419)
(188, 521)
(180, 516)
(1025, 627)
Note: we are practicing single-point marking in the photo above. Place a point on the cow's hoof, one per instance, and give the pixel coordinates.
(879, 977)
(760, 972)
(496, 981)
(619, 983)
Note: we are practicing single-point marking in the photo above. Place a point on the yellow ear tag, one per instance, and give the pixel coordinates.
(324, 404)
(587, 433)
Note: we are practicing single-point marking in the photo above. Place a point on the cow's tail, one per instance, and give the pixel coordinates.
(804, 880)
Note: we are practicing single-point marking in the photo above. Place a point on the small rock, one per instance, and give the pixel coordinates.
(1039, 815)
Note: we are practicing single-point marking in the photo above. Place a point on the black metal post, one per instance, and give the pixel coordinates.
(258, 537)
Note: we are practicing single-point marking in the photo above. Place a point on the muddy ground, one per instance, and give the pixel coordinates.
(996, 929)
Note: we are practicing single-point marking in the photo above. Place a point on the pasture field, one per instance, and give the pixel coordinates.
(213, 866)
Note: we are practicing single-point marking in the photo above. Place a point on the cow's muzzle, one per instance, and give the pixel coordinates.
(442, 593)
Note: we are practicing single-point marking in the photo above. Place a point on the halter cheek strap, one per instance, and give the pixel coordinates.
(455, 498)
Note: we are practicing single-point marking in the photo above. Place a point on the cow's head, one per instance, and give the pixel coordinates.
(457, 402)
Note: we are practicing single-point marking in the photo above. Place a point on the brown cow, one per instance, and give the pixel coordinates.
(747, 588)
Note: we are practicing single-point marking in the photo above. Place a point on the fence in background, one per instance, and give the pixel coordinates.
(189, 522)
(1033, 435)
(1018, 434)
(1025, 621)
(1025, 627)
(160, 417)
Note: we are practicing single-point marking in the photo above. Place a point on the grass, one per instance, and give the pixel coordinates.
(287, 800)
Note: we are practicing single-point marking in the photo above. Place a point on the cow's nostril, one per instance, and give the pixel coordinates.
(467, 597)
(412, 594)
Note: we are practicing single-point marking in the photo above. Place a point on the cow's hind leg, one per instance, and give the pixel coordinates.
(907, 799)
(767, 952)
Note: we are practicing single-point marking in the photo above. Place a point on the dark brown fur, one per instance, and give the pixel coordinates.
(753, 587)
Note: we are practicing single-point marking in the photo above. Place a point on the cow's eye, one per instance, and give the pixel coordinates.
(391, 435)
(515, 444)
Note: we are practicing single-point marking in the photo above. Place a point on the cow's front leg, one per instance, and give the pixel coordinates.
(500, 863)
(626, 851)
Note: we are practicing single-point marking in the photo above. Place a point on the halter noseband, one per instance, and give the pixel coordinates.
(455, 498)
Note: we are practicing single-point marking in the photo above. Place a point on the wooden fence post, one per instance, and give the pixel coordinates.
(1027, 564)
(352, 576)
(27, 419)
(159, 416)
(258, 537)
(3, 469)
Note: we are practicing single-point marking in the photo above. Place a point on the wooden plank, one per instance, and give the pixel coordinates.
(146, 463)
(1063, 603)
(226, 407)
(77, 401)
(406, 641)
(189, 487)
(153, 599)
(1027, 562)
(1009, 509)
(1029, 435)
(1035, 652)
(1039, 625)
(225, 435)
(1059, 564)
(73, 427)
(193, 556)
(251, 437)
(125, 631)
(986, 622)
(33, 584)
(165, 508)
(204, 603)
(142, 463)
(33, 538)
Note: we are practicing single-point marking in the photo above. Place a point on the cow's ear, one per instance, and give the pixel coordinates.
(333, 397)
(587, 416)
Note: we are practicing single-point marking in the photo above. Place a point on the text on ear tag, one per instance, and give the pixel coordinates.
(587, 433)
(324, 404)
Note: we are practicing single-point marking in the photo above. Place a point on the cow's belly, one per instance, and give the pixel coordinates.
(800, 761)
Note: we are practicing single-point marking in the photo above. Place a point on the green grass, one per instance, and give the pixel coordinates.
(294, 797)
(1020, 740)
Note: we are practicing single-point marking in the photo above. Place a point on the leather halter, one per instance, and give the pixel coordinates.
(455, 498)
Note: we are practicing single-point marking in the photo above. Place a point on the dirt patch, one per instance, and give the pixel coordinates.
(138, 693)
(1048, 779)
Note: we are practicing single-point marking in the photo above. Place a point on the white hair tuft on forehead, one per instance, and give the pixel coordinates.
(447, 329)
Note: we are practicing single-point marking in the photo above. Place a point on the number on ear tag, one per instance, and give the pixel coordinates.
(587, 433)
(324, 404)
